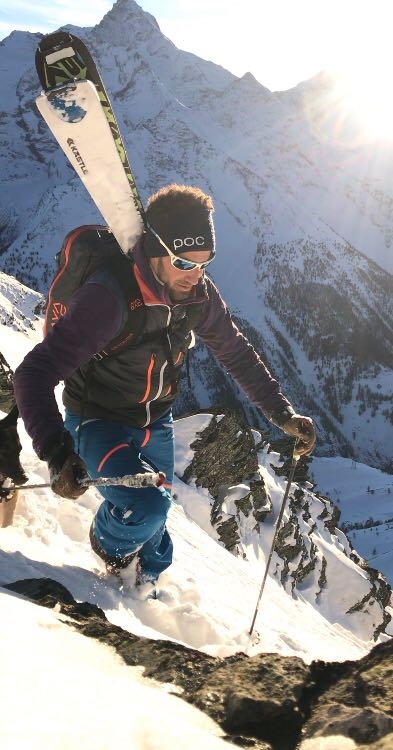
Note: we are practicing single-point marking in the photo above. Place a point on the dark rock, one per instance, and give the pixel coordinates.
(225, 455)
(354, 698)
(360, 724)
(50, 593)
(264, 702)
(257, 696)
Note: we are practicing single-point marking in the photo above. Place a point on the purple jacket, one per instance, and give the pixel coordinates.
(135, 387)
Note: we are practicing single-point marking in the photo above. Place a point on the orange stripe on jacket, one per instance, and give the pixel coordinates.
(148, 384)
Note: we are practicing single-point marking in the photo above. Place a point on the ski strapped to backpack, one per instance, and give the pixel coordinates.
(86, 250)
(63, 58)
(77, 109)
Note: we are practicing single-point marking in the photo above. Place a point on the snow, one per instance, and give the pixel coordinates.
(206, 599)
(61, 690)
(364, 497)
(336, 742)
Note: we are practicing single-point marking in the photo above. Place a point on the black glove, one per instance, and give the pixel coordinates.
(301, 428)
(10, 448)
(67, 470)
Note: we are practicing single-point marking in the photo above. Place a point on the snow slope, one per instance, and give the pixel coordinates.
(207, 598)
(57, 687)
(364, 496)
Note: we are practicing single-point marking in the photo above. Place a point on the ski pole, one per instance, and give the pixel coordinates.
(295, 459)
(148, 479)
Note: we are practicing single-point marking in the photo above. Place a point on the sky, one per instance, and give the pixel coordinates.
(281, 42)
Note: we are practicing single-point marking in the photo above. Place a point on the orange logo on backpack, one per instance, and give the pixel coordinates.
(135, 303)
(58, 310)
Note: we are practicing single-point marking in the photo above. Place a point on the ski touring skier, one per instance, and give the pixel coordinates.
(7, 398)
(118, 410)
(10, 447)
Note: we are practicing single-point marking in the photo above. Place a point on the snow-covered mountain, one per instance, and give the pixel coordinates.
(322, 603)
(303, 215)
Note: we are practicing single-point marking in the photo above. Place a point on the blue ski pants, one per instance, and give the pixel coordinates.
(130, 519)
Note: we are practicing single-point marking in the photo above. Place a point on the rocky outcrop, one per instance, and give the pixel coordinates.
(226, 463)
(264, 702)
(235, 465)
(356, 700)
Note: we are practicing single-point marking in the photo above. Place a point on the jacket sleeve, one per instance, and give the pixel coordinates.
(236, 354)
(93, 318)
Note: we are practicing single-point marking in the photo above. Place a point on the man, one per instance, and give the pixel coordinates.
(7, 398)
(10, 447)
(118, 410)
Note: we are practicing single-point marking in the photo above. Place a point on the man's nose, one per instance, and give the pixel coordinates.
(196, 273)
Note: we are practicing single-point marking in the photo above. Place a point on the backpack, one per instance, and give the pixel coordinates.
(86, 250)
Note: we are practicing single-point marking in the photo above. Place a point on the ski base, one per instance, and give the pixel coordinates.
(74, 114)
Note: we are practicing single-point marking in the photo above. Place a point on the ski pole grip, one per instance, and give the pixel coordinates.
(148, 479)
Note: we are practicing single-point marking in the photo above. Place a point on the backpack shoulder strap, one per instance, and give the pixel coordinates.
(122, 268)
(73, 265)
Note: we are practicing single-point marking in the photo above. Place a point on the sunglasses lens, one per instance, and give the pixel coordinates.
(183, 265)
(188, 265)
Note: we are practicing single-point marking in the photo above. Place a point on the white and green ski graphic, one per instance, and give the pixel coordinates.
(77, 110)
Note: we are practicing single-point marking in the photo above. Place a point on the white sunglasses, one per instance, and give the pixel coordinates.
(180, 263)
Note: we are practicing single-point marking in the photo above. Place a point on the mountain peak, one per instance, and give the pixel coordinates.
(250, 85)
(127, 16)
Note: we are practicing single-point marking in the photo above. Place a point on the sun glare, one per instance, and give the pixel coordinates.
(352, 106)
(353, 103)
(366, 94)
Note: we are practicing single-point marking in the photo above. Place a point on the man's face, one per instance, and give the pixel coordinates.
(179, 283)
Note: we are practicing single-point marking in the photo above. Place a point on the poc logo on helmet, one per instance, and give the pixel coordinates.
(188, 242)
